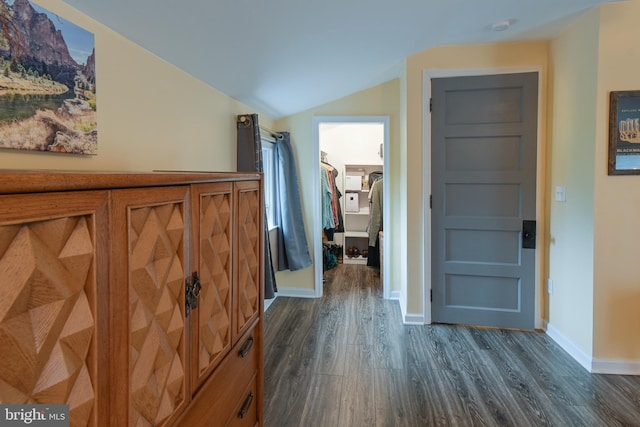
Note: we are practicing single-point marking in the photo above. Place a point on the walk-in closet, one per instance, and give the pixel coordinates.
(352, 194)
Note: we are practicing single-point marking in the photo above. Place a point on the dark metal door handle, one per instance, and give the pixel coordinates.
(528, 234)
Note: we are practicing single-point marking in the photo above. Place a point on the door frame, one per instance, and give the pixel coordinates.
(541, 245)
(317, 210)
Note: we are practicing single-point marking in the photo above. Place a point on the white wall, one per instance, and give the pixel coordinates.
(574, 56)
(352, 142)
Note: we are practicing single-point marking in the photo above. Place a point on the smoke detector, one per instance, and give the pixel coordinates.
(503, 25)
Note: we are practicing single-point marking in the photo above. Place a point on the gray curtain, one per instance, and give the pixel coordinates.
(249, 148)
(293, 239)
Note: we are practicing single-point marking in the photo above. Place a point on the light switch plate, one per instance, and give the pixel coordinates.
(561, 194)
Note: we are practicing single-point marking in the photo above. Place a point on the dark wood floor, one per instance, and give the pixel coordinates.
(347, 360)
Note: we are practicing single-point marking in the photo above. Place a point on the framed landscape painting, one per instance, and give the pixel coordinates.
(47, 82)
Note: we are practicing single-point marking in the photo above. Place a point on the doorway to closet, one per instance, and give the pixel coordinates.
(355, 149)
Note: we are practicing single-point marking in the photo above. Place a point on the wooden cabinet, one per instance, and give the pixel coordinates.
(95, 274)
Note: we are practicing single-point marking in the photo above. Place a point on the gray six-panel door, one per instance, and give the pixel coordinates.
(484, 137)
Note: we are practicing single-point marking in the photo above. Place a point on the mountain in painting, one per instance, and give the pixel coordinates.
(35, 43)
(47, 98)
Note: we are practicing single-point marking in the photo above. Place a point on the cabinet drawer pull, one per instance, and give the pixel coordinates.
(246, 347)
(245, 406)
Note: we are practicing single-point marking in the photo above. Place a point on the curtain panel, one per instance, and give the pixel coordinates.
(293, 237)
(249, 159)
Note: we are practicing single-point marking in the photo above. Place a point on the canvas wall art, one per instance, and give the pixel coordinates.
(47, 82)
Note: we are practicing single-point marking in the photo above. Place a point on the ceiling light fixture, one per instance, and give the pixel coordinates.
(502, 25)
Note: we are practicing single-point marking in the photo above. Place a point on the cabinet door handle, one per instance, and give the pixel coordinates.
(192, 291)
(246, 347)
(246, 405)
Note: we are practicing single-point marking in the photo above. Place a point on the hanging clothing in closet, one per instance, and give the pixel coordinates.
(326, 192)
(375, 222)
(331, 210)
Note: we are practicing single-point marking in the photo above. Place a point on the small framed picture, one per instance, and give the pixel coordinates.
(624, 133)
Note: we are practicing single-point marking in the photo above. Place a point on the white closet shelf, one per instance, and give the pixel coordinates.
(362, 211)
(355, 260)
(356, 234)
(358, 168)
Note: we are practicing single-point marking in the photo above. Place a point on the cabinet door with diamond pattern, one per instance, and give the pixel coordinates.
(52, 317)
(211, 322)
(249, 214)
(149, 253)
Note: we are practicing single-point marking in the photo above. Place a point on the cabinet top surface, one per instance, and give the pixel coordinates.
(32, 181)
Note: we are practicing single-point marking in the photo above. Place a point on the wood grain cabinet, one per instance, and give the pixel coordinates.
(53, 330)
(134, 298)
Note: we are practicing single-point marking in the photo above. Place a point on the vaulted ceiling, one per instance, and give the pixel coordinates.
(281, 57)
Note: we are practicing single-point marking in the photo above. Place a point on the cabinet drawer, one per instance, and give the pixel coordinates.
(246, 412)
(222, 396)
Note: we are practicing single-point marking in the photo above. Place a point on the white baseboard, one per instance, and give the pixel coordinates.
(268, 302)
(395, 295)
(410, 318)
(615, 367)
(574, 351)
(591, 364)
(297, 293)
(413, 319)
